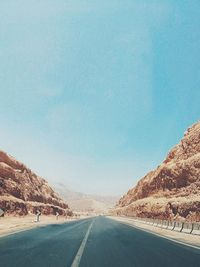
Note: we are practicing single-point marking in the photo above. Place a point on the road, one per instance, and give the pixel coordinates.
(93, 242)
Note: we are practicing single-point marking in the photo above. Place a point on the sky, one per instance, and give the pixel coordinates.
(95, 93)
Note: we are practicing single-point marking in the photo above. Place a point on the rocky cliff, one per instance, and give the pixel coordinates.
(172, 191)
(23, 192)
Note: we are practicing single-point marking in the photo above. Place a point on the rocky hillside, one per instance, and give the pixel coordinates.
(23, 192)
(173, 189)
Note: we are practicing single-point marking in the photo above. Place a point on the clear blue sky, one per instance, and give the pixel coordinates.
(95, 93)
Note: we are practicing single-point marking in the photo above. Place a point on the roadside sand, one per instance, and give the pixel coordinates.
(11, 224)
(177, 236)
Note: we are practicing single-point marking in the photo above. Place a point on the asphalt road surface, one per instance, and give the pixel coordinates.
(94, 242)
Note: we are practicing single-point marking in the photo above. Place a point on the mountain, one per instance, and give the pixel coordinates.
(23, 192)
(85, 203)
(172, 190)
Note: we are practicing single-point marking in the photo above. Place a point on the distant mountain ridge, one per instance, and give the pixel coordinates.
(173, 189)
(85, 202)
(23, 192)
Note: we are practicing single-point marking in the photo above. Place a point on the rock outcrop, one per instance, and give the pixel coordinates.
(172, 191)
(23, 192)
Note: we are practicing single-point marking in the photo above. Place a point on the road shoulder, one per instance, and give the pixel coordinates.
(11, 225)
(182, 238)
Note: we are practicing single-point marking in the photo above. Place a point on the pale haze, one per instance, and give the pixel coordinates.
(95, 93)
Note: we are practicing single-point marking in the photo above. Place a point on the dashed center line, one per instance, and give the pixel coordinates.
(79, 254)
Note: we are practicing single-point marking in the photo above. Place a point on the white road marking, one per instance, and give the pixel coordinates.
(162, 236)
(79, 254)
